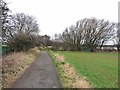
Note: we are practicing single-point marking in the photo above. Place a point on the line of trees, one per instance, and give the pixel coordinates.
(19, 31)
(88, 33)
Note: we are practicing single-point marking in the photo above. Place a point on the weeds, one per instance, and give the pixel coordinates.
(67, 74)
(14, 64)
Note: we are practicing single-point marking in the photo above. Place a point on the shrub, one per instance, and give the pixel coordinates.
(22, 42)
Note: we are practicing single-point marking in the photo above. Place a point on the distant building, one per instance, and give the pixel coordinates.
(108, 47)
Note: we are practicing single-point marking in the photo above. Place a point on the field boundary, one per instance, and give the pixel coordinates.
(68, 77)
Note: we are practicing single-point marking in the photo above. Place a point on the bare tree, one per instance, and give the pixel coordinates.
(116, 39)
(23, 23)
(23, 32)
(4, 20)
(97, 32)
(89, 33)
(118, 35)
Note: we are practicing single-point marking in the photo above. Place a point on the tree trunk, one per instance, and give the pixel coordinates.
(118, 48)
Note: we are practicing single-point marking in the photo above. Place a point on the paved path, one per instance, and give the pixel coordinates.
(41, 74)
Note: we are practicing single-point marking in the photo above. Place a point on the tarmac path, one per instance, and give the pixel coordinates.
(40, 74)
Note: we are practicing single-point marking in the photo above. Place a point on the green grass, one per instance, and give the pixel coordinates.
(59, 70)
(100, 69)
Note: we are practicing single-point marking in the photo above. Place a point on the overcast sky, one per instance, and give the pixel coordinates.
(54, 16)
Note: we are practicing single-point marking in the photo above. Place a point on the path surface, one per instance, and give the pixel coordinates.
(41, 74)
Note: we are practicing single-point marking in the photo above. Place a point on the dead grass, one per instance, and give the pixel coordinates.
(14, 64)
(59, 58)
(0, 72)
(71, 79)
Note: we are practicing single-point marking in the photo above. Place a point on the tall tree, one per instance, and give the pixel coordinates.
(24, 32)
(97, 32)
(23, 23)
(89, 33)
(116, 39)
(4, 20)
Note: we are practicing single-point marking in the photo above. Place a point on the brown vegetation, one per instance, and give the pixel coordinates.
(14, 64)
(69, 76)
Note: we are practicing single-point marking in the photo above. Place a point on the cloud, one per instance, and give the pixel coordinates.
(55, 15)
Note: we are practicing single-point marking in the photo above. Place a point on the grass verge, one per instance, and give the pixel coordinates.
(14, 64)
(67, 74)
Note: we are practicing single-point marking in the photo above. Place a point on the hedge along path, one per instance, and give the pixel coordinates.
(72, 80)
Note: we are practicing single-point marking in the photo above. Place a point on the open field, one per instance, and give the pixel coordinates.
(99, 69)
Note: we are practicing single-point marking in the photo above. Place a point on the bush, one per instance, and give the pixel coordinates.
(22, 42)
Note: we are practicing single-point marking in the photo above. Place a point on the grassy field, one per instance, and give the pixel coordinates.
(99, 69)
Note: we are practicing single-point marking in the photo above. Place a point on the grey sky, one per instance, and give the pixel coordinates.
(54, 16)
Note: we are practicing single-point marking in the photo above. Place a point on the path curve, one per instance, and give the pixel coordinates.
(41, 74)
